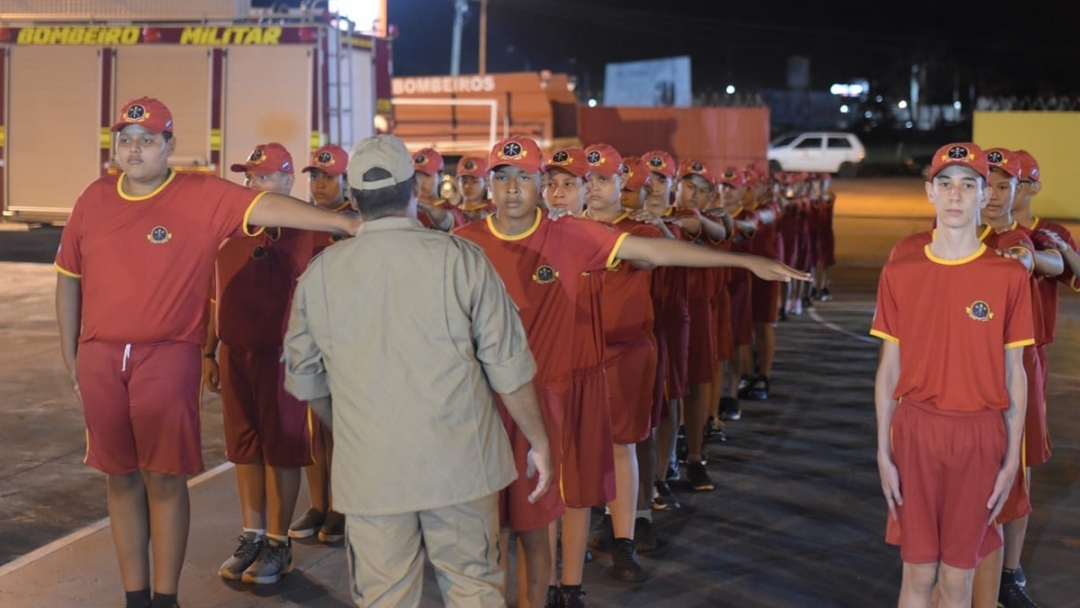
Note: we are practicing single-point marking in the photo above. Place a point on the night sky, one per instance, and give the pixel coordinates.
(1026, 51)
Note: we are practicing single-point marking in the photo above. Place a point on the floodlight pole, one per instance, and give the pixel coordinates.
(460, 8)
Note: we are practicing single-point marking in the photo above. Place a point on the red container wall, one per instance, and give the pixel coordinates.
(719, 137)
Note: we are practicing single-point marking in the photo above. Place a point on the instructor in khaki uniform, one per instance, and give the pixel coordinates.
(397, 338)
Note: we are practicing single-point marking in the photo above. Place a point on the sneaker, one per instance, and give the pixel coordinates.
(759, 390)
(333, 529)
(250, 546)
(1011, 595)
(672, 473)
(682, 449)
(554, 598)
(663, 498)
(796, 308)
(729, 406)
(1020, 577)
(825, 295)
(644, 536)
(307, 525)
(572, 598)
(807, 302)
(744, 387)
(813, 293)
(625, 566)
(275, 560)
(714, 429)
(604, 536)
(699, 477)
(782, 315)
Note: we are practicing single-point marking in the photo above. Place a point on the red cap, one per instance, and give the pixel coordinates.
(1029, 167)
(660, 162)
(571, 160)
(520, 152)
(146, 112)
(330, 159)
(695, 167)
(965, 154)
(732, 177)
(603, 160)
(266, 159)
(427, 161)
(637, 173)
(473, 166)
(1006, 160)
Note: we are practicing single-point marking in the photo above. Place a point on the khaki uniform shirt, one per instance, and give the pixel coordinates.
(408, 330)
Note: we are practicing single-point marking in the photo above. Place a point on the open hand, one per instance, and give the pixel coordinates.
(1002, 484)
(539, 466)
(772, 270)
(211, 375)
(890, 483)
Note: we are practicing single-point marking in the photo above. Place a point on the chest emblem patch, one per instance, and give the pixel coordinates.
(159, 235)
(545, 274)
(980, 311)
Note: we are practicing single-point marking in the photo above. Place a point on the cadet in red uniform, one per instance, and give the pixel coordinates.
(764, 295)
(958, 381)
(669, 293)
(636, 181)
(741, 327)
(134, 265)
(267, 433)
(629, 357)
(540, 261)
(472, 183)
(433, 211)
(328, 185)
(826, 258)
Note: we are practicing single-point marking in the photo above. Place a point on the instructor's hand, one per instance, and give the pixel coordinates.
(890, 482)
(539, 467)
(772, 270)
(211, 375)
(75, 383)
(1002, 485)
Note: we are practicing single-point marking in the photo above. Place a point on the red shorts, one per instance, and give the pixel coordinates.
(764, 300)
(588, 457)
(674, 335)
(515, 510)
(948, 462)
(263, 422)
(141, 405)
(725, 349)
(1037, 445)
(631, 375)
(1018, 503)
(701, 356)
(742, 320)
(827, 248)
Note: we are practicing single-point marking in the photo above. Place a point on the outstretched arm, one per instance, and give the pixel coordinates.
(668, 252)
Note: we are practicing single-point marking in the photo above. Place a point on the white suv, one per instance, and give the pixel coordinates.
(816, 152)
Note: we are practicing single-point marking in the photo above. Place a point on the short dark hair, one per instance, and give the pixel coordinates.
(391, 200)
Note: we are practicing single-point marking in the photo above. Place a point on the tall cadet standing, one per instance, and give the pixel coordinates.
(267, 431)
(540, 261)
(133, 269)
(959, 383)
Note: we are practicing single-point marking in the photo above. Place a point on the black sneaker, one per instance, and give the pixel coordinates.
(274, 561)
(333, 528)
(682, 449)
(644, 536)
(1011, 595)
(604, 536)
(1019, 576)
(729, 406)
(759, 389)
(807, 302)
(307, 525)
(625, 566)
(663, 499)
(744, 387)
(672, 473)
(699, 477)
(554, 598)
(572, 598)
(245, 555)
(825, 295)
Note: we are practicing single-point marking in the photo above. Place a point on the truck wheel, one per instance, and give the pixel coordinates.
(847, 170)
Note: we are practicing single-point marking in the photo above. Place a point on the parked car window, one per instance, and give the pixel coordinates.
(783, 140)
(839, 142)
(809, 142)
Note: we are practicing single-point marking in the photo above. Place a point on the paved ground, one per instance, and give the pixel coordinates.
(796, 522)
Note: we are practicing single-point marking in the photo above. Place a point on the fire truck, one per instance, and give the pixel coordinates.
(233, 77)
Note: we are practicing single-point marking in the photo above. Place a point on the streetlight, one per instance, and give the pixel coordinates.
(730, 90)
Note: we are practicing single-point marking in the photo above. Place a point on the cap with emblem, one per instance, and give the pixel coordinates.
(330, 159)
(385, 152)
(1029, 167)
(266, 159)
(146, 112)
(603, 160)
(660, 162)
(427, 161)
(571, 160)
(1004, 160)
(473, 166)
(636, 172)
(695, 167)
(732, 177)
(520, 152)
(965, 154)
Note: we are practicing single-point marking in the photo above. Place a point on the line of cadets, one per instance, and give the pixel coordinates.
(1049, 254)
(624, 354)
